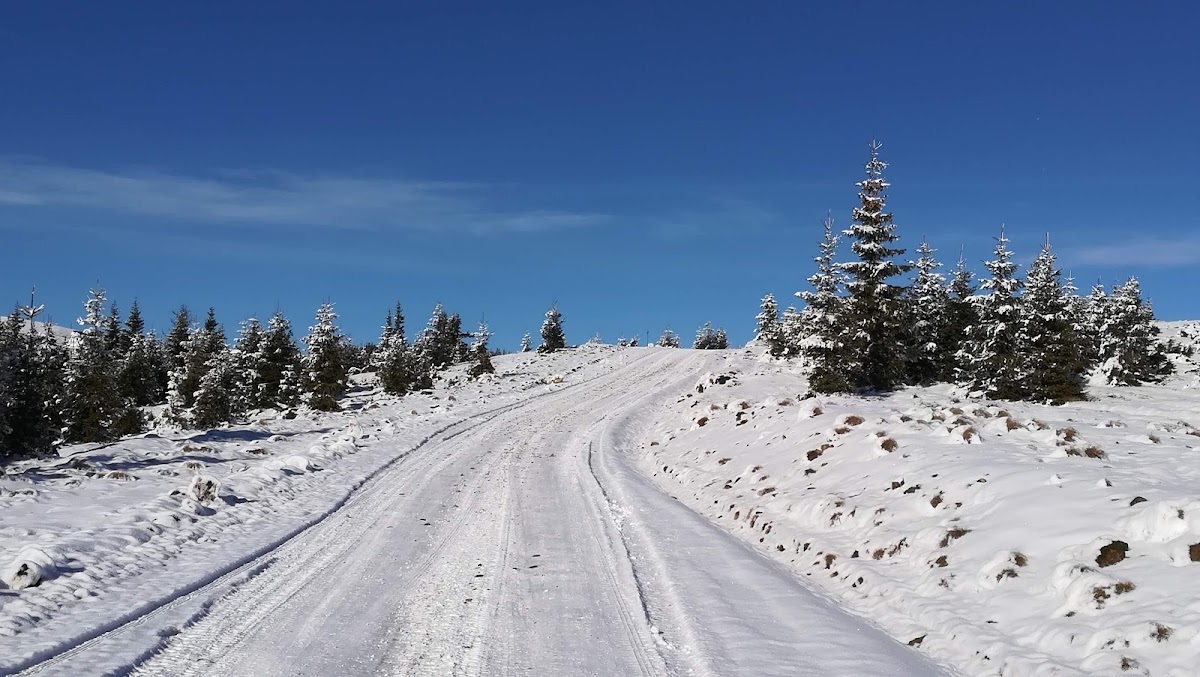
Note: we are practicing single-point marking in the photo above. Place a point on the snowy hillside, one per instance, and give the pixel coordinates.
(105, 533)
(1005, 538)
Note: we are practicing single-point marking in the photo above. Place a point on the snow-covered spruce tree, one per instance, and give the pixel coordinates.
(93, 409)
(397, 363)
(174, 343)
(462, 351)
(633, 342)
(1046, 339)
(141, 372)
(526, 343)
(439, 340)
(720, 340)
(325, 374)
(990, 356)
(1129, 351)
(481, 359)
(926, 306)
(705, 337)
(816, 334)
(277, 382)
(873, 350)
(32, 377)
(1090, 327)
(552, 332)
(668, 339)
(960, 315)
(245, 362)
(792, 330)
(198, 351)
(218, 399)
(768, 332)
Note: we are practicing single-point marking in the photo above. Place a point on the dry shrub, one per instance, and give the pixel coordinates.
(969, 433)
(194, 465)
(936, 500)
(1039, 425)
(702, 421)
(1020, 559)
(1155, 439)
(888, 444)
(785, 402)
(841, 430)
(942, 561)
(1068, 434)
(724, 461)
(953, 535)
(766, 490)
(119, 475)
(1123, 587)
(1006, 573)
(1194, 552)
(1161, 632)
(1011, 423)
(256, 451)
(878, 554)
(1128, 664)
(829, 560)
(853, 420)
(1112, 553)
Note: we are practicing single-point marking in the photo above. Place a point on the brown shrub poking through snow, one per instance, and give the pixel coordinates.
(1136, 500)
(841, 430)
(702, 421)
(1011, 423)
(724, 461)
(936, 500)
(888, 444)
(878, 554)
(969, 434)
(120, 475)
(853, 420)
(1112, 553)
(1155, 439)
(1090, 452)
(1161, 632)
(953, 535)
(1123, 587)
(829, 560)
(766, 490)
(1194, 552)
(1020, 559)
(1128, 664)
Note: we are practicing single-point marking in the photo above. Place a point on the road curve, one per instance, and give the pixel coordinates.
(529, 545)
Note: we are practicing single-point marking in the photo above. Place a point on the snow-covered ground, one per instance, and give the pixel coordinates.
(1001, 538)
(492, 528)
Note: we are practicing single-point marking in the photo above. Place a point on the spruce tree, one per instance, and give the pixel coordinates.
(1129, 351)
(481, 359)
(633, 342)
(526, 343)
(960, 316)
(1046, 339)
(396, 363)
(277, 383)
(792, 331)
(552, 332)
(246, 364)
(31, 386)
(720, 340)
(768, 332)
(926, 308)
(705, 337)
(175, 342)
(1093, 316)
(325, 374)
(668, 339)
(816, 333)
(217, 399)
(873, 350)
(990, 356)
(198, 352)
(93, 409)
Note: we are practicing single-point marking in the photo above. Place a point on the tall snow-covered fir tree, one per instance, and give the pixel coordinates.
(874, 351)
(246, 363)
(325, 374)
(553, 337)
(926, 306)
(668, 339)
(201, 345)
(277, 383)
(768, 332)
(1129, 352)
(990, 356)
(817, 333)
(399, 366)
(792, 330)
(441, 341)
(1053, 366)
(481, 359)
(175, 342)
(960, 315)
(1092, 318)
(93, 409)
(218, 396)
(32, 377)
(526, 343)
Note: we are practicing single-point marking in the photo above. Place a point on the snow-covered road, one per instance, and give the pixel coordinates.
(524, 542)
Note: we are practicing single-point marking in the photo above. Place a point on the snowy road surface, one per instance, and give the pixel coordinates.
(525, 543)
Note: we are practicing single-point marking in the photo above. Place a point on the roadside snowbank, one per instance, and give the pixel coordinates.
(1007, 538)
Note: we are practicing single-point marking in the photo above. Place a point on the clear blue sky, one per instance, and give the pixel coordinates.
(641, 163)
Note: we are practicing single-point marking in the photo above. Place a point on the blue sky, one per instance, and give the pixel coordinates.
(642, 164)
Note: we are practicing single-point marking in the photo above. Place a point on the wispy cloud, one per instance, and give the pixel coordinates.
(276, 198)
(1146, 251)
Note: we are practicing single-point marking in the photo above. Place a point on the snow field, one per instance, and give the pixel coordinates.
(1005, 538)
(97, 538)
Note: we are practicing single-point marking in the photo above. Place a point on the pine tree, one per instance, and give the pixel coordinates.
(31, 386)
(1046, 338)
(1092, 318)
(325, 374)
(141, 373)
(816, 333)
(526, 343)
(246, 365)
(552, 332)
(93, 409)
(174, 344)
(1129, 352)
(396, 363)
(633, 342)
(926, 307)
(708, 338)
(960, 315)
(873, 348)
(769, 333)
(668, 339)
(277, 382)
(990, 356)
(217, 397)
(198, 352)
(481, 358)
(792, 331)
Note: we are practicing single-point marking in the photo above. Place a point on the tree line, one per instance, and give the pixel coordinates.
(1006, 337)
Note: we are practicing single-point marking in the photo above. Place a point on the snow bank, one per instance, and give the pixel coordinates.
(1007, 538)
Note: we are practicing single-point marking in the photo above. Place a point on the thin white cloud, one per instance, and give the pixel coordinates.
(275, 198)
(1147, 251)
